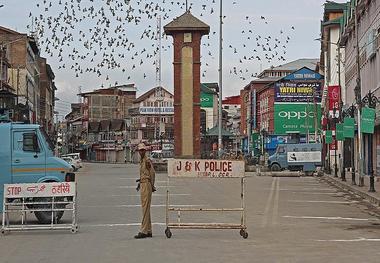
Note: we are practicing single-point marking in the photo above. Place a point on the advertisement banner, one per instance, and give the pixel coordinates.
(368, 120)
(304, 157)
(207, 100)
(205, 168)
(297, 92)
(339, 132)
(349, 127)
(328, 137)
(334, 98)
(296, 117)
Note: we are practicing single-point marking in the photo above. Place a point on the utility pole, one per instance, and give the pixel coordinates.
(159, 92)
(358, 96)
(220, 141)
(341, 159)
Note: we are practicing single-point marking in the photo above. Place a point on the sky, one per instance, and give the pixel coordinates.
(290, 28)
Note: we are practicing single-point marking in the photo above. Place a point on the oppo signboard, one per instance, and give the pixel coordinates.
(296, 117)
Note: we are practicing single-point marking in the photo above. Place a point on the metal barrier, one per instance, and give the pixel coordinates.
(218, 169)
(52, 198)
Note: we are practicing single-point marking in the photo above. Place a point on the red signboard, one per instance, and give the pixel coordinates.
(334, 97)
(333, 145)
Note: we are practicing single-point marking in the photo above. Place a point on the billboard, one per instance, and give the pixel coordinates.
(296, 117)
(297, 92)
(207, 100)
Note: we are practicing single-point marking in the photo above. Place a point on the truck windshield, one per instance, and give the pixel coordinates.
(48, 140)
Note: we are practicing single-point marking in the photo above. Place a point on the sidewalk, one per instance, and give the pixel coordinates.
(373, 198)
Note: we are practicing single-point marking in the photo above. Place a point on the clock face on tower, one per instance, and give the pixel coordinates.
(187, 37)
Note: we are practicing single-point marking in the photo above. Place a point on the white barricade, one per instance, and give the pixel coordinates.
(196, 169)
(52, 198)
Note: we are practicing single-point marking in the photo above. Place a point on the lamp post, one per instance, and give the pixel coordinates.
(127, 123)
(370, 100)
(220, 80)
(350, 112)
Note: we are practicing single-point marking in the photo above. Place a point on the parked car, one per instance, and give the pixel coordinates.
(74, 163)
(75, 156)
(161, 156)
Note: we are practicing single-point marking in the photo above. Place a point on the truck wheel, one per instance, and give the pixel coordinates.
(45, 217)
(275, 167)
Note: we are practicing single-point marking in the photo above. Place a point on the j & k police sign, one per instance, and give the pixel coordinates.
(205, 168)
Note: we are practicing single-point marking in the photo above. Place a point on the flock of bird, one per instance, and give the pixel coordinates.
(99, 36)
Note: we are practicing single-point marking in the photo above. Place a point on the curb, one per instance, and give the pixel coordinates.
(373, 200)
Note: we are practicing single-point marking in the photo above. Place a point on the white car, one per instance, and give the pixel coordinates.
(75, 156)
(74, 163)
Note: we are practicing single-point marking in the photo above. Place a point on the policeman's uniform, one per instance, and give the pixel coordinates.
(147, 178)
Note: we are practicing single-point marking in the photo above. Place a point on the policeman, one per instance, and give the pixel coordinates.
(147, 178)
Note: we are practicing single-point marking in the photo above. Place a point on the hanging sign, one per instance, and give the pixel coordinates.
(349, 127)
(368, 120)
(339, 132)
(328, 137)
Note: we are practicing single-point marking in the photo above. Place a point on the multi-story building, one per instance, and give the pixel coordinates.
(47, 96)
(332, 66)
(257, 100)
(104, 123)
(366, 57)
(153, 119)
(23, 71)
(7, 92)
(109, 103)
(231, 105)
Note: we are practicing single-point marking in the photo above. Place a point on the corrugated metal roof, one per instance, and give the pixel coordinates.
(310, 63)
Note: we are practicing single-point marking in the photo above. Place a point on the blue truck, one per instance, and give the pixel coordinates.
(296, 157)
(26, 156)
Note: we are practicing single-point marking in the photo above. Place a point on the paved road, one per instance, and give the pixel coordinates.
(289, 220)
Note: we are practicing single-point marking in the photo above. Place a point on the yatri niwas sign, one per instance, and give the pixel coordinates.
(297, 92)
(205, 168)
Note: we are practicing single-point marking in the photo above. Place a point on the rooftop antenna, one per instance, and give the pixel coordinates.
(187, 6)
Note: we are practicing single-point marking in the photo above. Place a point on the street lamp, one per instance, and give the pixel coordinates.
(350, 112)
(371, 100)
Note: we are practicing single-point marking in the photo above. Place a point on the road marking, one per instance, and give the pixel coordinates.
(330, 218)
(315, 193)
(138, 205)
(269, 202)
(361, 239)
(118, 225)
(134, 186)
(325, 202)
(137, 195)
(134, 179)
(276, 200)
(306, 189)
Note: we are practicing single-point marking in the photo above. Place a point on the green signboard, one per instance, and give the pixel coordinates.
(349, 127)
(328, 137)
(207, 100)
(296, 117)
(368, 120)
(339, 132)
